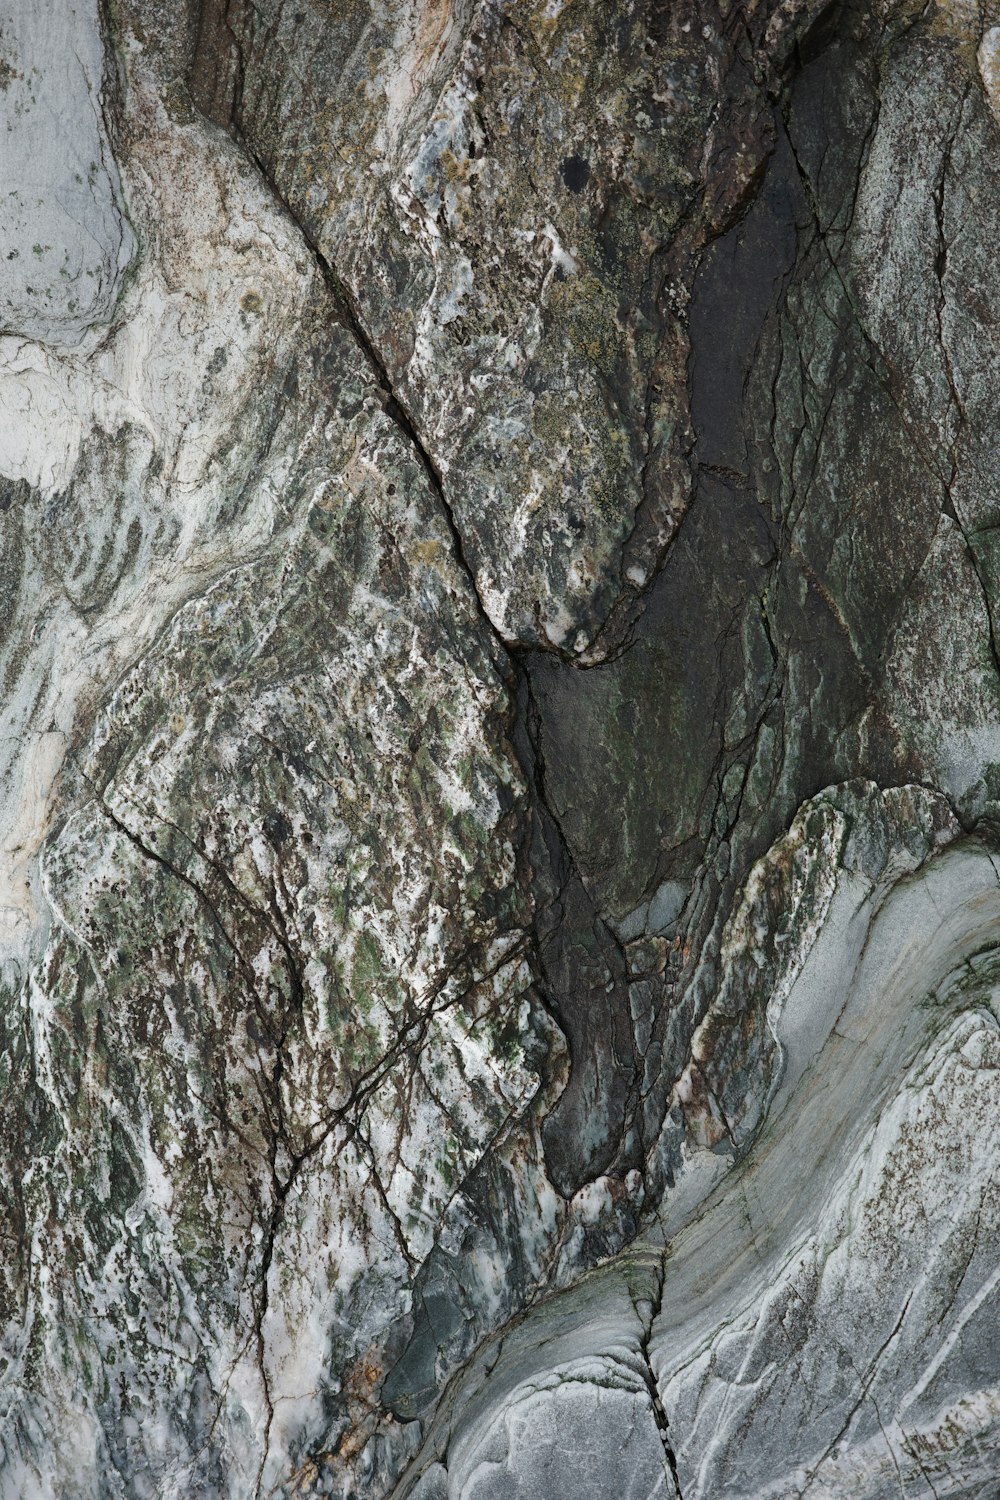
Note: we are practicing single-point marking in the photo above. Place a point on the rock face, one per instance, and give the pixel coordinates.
(500, 750)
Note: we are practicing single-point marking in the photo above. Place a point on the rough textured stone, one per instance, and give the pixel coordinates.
(499, 749)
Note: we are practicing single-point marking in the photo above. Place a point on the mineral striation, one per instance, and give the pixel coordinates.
(500, 749)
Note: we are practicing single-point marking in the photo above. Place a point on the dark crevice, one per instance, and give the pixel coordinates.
(511, 660)
(649, 1378)
(552, 864)
(516, 655)
(392, 404)
(955, 397)
(558, 884)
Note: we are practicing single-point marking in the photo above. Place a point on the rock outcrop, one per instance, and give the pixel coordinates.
(500, 749)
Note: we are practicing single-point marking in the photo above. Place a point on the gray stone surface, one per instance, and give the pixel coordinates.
(66, 242)
(499, 745)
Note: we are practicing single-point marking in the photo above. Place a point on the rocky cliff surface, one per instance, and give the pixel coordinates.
(500, 749)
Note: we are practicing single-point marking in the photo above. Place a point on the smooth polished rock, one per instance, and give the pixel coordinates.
(822, 1323)
(67, 242)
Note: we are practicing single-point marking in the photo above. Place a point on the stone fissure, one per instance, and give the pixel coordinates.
(457, 1030)
(649, 1376)
(391, 402)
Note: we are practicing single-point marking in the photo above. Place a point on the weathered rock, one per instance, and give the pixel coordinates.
(499, 748)
(822, 1322)
(67, 242)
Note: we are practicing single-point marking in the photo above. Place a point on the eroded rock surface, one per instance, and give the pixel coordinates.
(499, 833)
(66, 239)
